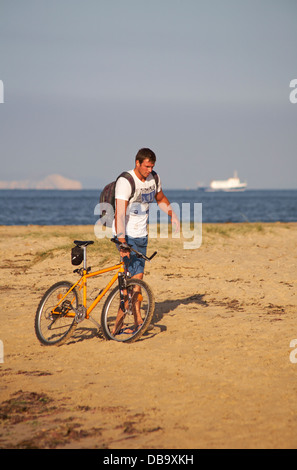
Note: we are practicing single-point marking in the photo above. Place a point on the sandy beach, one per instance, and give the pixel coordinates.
(217, 370)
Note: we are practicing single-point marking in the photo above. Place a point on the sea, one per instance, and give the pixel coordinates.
(57, 207)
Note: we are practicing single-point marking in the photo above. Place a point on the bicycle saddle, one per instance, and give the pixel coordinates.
(83, 243)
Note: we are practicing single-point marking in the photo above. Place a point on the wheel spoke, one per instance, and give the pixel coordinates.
(54, 321)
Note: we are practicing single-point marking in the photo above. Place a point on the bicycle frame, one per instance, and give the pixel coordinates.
(82, 285)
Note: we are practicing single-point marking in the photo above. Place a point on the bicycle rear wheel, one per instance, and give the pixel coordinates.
(128, 324)
(54, 322)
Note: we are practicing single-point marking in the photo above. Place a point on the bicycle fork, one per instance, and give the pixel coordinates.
(122, 287)
(128, 296)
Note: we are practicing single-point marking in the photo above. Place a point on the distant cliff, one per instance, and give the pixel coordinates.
(49, 182)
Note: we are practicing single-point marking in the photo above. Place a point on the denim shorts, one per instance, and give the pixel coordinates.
(134, 264)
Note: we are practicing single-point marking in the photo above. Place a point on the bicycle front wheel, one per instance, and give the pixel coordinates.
(55, 317)
(127, 319)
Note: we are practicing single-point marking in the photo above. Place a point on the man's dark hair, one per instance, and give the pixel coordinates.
(144, 153)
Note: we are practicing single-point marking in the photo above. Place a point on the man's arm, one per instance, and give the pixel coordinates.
(122, 195)
(120, 222)
(164, 204)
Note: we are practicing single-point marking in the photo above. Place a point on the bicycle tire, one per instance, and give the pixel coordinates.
(111, 307)
(55, 331)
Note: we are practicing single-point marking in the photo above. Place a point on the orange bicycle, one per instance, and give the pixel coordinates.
(126, 314)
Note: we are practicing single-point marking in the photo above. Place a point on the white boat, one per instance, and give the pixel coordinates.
(231, 184)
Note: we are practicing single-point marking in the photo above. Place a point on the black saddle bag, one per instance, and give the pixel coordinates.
(77, 255)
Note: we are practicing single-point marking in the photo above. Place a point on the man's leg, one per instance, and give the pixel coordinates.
(137, 271)
(136, 304)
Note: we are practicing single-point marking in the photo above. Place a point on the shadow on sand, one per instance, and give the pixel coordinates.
(85, 332)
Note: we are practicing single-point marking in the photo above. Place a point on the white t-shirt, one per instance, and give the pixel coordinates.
(138, 206)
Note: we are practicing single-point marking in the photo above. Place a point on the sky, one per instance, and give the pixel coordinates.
(203, 83)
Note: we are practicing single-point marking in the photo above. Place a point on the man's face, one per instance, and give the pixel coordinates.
(145, 168)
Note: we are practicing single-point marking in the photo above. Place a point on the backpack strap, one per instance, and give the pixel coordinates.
(156, 178)
(130, 178)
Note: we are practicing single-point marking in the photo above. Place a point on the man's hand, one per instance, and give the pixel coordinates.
(175, 223)
(124, 248)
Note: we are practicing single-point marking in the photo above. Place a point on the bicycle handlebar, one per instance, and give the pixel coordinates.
(129, 248)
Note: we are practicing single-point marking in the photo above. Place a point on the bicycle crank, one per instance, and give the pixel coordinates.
(80, 313)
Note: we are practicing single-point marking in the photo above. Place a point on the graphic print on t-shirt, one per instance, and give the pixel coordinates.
(148, 194)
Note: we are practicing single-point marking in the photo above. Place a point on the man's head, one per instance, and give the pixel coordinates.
(144, 154)
(144, 163)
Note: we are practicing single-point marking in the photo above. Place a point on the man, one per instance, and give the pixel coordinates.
(131, 214)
